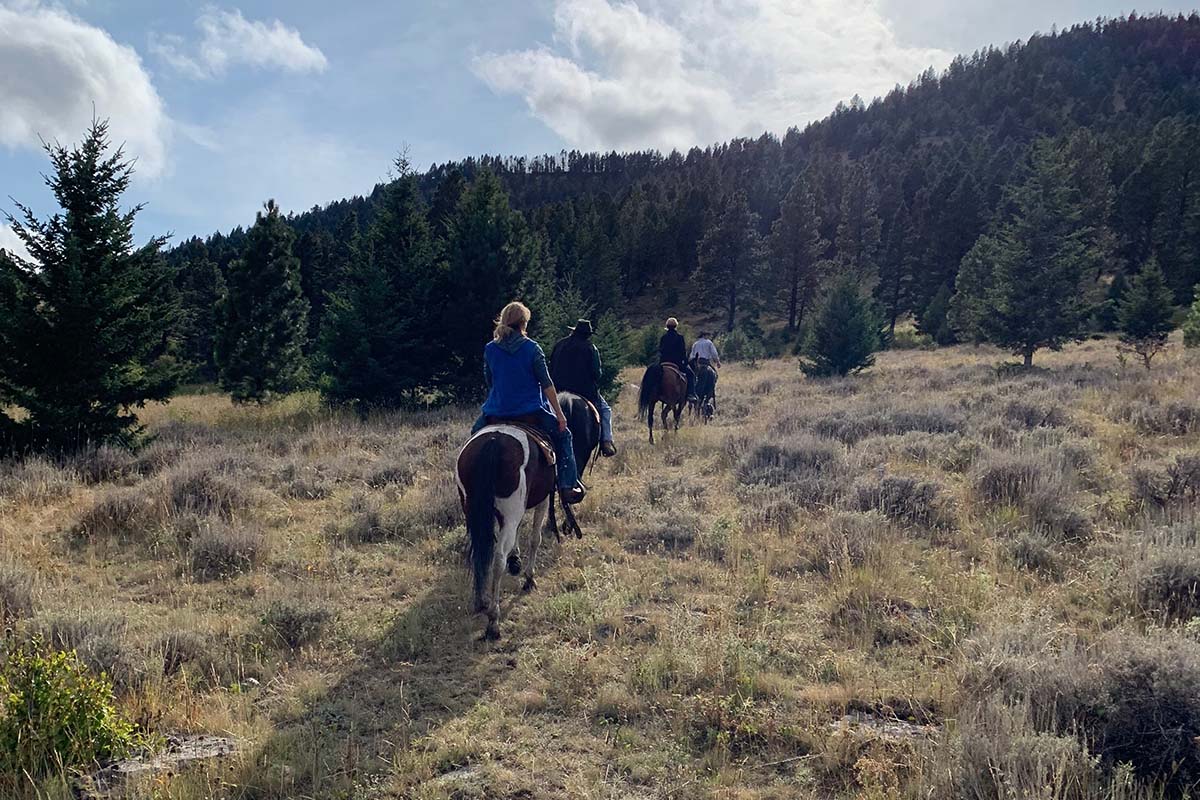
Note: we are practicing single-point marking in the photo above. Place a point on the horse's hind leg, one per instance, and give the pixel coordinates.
(512, 509)
(535, 540)
(650, 423)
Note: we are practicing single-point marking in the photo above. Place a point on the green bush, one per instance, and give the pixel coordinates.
(56, 716)
(738, 345)
(1191, 323)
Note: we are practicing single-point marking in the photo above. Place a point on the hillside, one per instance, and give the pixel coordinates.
(900, 188)
(853, 587)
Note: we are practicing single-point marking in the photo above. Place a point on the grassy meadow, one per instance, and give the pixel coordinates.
(942, 578)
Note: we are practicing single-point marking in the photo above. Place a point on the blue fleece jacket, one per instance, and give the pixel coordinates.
(515, 368)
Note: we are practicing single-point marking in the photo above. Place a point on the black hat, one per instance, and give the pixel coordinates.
(583, 327)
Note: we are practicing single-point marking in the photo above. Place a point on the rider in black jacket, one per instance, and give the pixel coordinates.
(672, 349)
(575, 367)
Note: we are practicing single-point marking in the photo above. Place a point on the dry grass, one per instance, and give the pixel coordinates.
(854, 588)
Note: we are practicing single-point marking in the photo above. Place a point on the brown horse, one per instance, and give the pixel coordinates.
(666, 384)
(504, 471)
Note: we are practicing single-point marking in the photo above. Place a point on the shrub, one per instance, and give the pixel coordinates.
(1029, 414)
(1131, 699)
(783, 462)
(34, 481)
(16, 594)
(1171, 419)
(910, 339)
(1011, 478)
(294, 623)
(394, 472)
(181, 648)
(204, 489)
(739, 346)
(103, 464)
(1166, 577)
(99, 641)
(1033, 551)
(845, 541)
(122, 514)
(902, 499)
(673, 531)
(218, 550)
(55, 716)
(1167, 485)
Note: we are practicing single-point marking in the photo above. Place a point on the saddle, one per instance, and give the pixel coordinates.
(675, 367)
(528, 424)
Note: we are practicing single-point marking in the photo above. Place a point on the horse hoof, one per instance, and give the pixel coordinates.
(490, 634)
(530, 584)
(514, 564)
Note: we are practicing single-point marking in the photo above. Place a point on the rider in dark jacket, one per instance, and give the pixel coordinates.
(575, 367)
(672, 349)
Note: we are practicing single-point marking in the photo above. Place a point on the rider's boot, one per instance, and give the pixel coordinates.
(573, 494)
(608, 449)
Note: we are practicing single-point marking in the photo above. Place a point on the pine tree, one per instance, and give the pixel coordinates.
(935, 319)
(731, 257)
(859, 228)
(489, 250)
(263, 315)
(1028, 285)
(897, 268)
(612, 340)
(1191, 324)
(845, 334)
(86, 328)
(377, 350)
(200, 286)
(796, 250)
(1146, 312)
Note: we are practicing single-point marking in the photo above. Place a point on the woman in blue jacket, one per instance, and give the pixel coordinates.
(514, 367)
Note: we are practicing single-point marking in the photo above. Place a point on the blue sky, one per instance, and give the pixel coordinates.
(225, 105)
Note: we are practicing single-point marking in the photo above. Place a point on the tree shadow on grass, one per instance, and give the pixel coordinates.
(428, 668)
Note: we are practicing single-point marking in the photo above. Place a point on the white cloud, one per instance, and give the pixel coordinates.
(10, 242)
(677, 73)
(56, 71)
(229, 39)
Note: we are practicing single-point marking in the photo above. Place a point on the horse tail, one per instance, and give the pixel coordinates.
(481, 514)
(651, 381)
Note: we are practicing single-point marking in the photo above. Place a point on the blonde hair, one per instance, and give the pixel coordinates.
(514, 318)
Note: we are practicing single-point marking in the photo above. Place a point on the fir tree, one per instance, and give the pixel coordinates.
(845, 334)
(1191, 323)
(489, 250)
(897, 268)
(263, 315)
(377, 349)
(796, 250)
(85, 328)
(935, 319)
(200, 286)
(1028, 284)
(1145, 313)
(731, 257)
(859, 228)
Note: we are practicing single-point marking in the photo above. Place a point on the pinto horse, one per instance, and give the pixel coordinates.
(503, 471)
(666, 384)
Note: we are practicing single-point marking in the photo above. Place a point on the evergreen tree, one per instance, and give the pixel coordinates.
(897, 268)
(935, 319)
(263, 315)
(85, 328)
(1029, 284)
(859, 229)
(1145, 313)
(1106, 315)
(845, 333)
(612, 340)
(1191, 323)
(731, 257)
(200, 287)
(489, 250)
(796, 249)
(377, 349)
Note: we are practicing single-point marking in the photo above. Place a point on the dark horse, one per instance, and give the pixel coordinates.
(666, 384)
(503, 471)
(584, 421)
(705, 404)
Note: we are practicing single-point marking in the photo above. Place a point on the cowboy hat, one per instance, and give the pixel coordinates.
(583, 326)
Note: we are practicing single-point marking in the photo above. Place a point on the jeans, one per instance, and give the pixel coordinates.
(564, 447)
(605, 418)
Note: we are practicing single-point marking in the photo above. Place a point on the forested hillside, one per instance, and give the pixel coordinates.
(897, 190)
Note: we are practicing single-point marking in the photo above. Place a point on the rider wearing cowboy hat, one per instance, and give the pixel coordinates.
(575, 367)
(672, 349)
